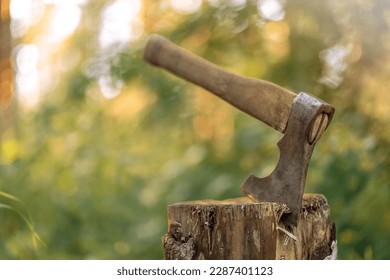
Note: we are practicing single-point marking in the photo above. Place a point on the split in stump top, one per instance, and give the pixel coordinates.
(242, 229)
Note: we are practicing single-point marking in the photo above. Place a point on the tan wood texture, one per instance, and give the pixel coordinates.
(241, 229)
(261, 99)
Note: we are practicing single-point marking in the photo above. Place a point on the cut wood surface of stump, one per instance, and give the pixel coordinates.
(242, 229)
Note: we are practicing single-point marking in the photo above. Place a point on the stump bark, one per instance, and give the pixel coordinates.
(242, 229)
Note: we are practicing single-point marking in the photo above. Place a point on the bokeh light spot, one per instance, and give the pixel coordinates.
(271, 9)
(186, 6)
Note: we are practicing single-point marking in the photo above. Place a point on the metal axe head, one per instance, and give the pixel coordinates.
(309, 117)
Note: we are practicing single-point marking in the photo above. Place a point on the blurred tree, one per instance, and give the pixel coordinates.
(6, 72)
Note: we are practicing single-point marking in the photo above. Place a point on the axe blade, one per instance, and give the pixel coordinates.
(287, 182)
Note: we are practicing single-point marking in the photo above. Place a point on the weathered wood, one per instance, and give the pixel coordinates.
(241, 229)
(263, 100)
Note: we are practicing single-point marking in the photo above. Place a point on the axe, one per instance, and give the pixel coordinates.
(302, 118)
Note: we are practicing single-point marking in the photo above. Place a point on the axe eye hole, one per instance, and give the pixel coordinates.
(318, 127)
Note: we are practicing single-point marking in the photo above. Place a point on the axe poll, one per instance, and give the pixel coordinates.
(302, 118)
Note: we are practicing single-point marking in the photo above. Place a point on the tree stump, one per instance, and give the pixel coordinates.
(242, 229)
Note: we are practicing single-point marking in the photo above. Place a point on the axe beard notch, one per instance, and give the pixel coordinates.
(287, 182)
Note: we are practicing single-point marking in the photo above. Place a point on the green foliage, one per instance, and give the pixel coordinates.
(97, 174)
(30, 246)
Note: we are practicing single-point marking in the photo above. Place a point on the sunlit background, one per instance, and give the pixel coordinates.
(43, 30)
(95, 143)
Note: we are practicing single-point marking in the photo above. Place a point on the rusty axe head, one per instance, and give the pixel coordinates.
(302, 118)
(309, 117)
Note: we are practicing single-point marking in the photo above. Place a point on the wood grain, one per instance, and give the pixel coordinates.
(263, 100)
(241, 229)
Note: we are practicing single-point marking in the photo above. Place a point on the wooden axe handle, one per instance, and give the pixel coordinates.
(260, 99)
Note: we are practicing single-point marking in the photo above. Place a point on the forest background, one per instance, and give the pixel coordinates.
(95, 143)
